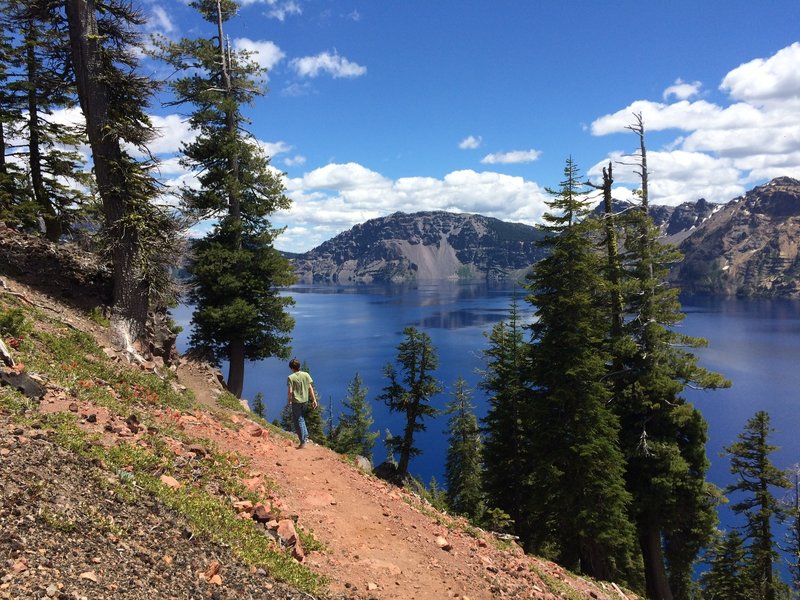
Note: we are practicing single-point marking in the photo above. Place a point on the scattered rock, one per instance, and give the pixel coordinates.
(170, 482)
(363, 463)
(23, 383)
(443, 543)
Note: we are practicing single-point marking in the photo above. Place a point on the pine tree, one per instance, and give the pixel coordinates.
(352, 434)
(16, 204)
(139, 235)
(463, 466)
(286, 420)
(506, 453)
(258, 405)
(56, 170)
(577, 474)
(726, 578)
(792, 512)
(756, 477)
(236, 271)
(410, 392)
(662, 436)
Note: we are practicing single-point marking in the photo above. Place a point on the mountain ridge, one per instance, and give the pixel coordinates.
(747, 246)
(404, 247)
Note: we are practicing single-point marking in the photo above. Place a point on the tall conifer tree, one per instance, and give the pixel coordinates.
(506, 425)
(464, 455)
(756, 478)
(727, 577)
(138, 234)
(410, 392)
(258, 405)
(16, 205)
(578, 489)
(235, 271)
(792, 545)
(352, 434)
(663, 437)
(56, 170)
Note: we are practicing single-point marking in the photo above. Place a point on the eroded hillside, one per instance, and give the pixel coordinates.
(133, 480)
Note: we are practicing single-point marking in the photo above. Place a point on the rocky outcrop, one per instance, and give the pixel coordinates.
(749, 247)
(423, 246)
(675, 222)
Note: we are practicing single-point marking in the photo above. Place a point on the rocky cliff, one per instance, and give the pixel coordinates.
(748, 247)
(422, 246)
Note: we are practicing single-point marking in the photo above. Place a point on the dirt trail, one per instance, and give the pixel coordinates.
(379, 541)
(375, 541)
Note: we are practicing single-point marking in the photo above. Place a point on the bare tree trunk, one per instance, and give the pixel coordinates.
(6, 188)
(613, 254)
(656, 581)
(52, 222)
(405, 450)
(130, 286)
(638, 129)
(236, 357)
(234, 202)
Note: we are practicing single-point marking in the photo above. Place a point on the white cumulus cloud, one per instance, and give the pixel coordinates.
(266, 54)
(327, 62)
(173, 131)
(772, 79)
(682, 90)
(513, 157)
(335, 197)
(160, 20)
(470, 142)
(719, 148)
(274, 148)
(278, 9)
(295, 161)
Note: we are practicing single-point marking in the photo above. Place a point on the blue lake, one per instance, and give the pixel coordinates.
(341, 331)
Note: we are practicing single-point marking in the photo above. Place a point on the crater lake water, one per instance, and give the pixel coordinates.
(341, 331)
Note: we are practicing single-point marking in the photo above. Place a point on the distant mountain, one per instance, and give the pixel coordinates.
(748, 247)
(423, 246)
(675, 222)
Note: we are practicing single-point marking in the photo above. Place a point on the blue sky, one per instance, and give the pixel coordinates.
(376, 106)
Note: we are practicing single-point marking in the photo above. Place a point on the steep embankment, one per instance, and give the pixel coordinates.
(120, 483)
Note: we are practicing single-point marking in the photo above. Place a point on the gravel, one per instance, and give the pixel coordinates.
(63, 535)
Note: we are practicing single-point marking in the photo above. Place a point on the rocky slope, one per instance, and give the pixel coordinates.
(422, 246)
(749, 247)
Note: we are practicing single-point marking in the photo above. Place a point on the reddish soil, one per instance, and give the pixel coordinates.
(379, 541)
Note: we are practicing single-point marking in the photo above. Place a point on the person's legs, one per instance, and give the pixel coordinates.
(298, 414)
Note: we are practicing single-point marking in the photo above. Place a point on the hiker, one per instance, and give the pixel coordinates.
(299, 386)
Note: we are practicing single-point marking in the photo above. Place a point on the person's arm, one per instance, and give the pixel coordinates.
(313, 395)
(289, 393)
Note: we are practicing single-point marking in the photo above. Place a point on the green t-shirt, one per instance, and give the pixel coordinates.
(299, 381)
